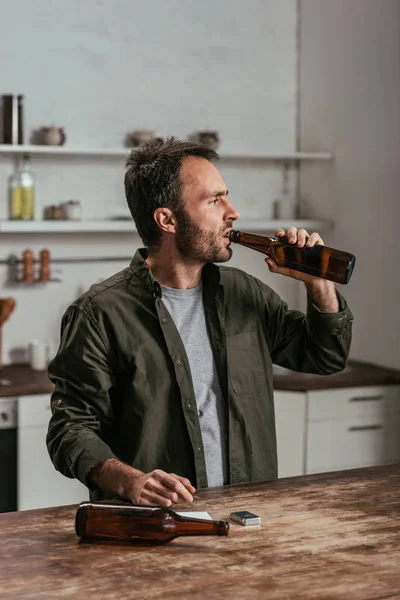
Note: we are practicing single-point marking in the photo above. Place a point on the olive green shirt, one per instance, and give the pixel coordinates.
(123, 386)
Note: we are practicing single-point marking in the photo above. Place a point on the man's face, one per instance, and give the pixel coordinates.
(206, 215)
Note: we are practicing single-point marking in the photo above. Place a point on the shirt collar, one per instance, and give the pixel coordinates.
(210, 274)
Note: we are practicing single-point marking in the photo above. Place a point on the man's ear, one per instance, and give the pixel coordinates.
(165, 219)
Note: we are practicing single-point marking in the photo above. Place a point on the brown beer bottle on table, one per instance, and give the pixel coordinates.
(128, 522)
(319, 261)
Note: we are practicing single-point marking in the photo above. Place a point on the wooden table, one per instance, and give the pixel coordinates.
(334, 535)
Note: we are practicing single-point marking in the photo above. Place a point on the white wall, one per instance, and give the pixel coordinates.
(350, 104)
(104, 68)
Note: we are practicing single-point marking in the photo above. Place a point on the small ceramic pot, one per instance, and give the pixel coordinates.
(139, 136)
(209, 139)
(53, 136)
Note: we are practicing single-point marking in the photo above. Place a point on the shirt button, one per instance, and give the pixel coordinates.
(164, 320)
(189, 405)
(179, 362)
(59, 402)
(198, 449)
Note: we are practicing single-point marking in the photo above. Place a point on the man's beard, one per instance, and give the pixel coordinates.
(198, 244)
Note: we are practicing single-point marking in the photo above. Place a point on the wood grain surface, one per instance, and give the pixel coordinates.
(326, 536)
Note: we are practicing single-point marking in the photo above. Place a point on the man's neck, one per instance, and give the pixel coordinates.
(174, 271)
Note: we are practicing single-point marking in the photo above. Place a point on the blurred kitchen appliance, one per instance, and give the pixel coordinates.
(12, 110)
(8, 453)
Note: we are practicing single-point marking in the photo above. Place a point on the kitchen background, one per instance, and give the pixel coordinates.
(272, 77)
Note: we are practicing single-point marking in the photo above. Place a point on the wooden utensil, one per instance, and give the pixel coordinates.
(7, 306)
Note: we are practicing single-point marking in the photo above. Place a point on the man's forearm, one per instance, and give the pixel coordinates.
(154, 488)
(323, 294)
(113, 475)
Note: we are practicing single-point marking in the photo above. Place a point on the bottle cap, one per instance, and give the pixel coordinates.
(222, 527)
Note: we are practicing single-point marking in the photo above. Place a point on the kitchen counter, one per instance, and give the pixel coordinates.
(24, 381)
(331, 536)
(356, 374)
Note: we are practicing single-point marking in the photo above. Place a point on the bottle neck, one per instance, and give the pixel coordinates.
(186, 526)
(253, 241)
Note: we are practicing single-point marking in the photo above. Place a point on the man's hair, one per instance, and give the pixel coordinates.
(152, 180)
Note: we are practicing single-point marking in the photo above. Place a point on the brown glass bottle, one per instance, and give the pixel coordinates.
(320, 261)
(127, 522)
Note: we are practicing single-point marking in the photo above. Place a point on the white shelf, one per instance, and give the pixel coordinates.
(123, 152)
(61, 226)
(63, 151)
(280, 157)
(122, 226)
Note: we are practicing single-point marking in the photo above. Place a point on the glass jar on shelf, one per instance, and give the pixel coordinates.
(15, 194)
(72, 210)
(27, 183)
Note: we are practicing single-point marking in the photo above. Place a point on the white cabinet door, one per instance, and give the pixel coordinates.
(39, 484)
(290, 416)
(336, 445)
(352, 427)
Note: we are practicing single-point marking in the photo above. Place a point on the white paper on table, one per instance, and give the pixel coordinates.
(195, 515)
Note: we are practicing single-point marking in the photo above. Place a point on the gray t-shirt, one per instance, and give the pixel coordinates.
(187, 310)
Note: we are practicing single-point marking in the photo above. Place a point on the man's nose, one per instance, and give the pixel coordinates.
(232, 213)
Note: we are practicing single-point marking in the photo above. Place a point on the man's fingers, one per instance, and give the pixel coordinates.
(271, 265)
(185, 482)
(150, 498)
(301, 237)
(156, 486)
(314, 240)
(179, 489)
(171, 482)
(292, 235)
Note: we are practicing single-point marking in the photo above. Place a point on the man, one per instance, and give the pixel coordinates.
(163, 377)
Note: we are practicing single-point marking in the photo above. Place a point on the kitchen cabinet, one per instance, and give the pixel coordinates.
(290, 418)
(335, 429)
(39, 484)
(352, 427)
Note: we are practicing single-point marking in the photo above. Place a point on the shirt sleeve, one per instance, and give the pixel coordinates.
(82, 415)
(315, 342)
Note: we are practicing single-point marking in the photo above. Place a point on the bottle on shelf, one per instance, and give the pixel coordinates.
(129, 523)
(15, 194)
(319, 261)
(27, 183)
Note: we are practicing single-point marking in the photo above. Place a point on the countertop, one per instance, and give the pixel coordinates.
(325, 536)
(24, 381)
